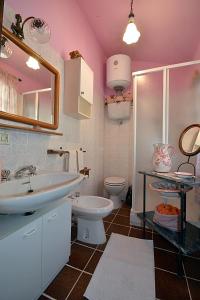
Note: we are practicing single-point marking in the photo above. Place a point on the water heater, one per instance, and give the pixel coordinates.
(118, 71)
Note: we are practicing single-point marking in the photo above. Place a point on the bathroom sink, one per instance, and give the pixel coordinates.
(28, 194)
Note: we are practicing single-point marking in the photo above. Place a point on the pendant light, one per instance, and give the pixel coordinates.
(131, 34)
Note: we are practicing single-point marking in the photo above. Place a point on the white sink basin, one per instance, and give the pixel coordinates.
(20, 196)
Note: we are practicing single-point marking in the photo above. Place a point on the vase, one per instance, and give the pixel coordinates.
(162, 155)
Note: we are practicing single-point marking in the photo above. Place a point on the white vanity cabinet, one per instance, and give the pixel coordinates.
(78, 89)
(55, 242)
(20, 263)
(33, 249)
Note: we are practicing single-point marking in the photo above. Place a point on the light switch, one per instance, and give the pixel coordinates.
(4, 138)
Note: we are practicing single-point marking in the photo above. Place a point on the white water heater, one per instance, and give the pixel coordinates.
(118, 71)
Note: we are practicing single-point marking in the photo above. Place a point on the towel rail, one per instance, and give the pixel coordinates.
(59, 152)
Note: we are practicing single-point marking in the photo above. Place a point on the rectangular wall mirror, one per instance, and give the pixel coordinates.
(29, 93)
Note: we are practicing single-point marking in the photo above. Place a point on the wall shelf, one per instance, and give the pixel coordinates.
(29, 129)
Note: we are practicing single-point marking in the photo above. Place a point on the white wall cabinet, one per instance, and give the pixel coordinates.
(33, 249)
(78, 89)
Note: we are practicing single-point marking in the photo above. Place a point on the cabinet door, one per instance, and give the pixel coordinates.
(56, 241)
(86, 82)
(20, 263)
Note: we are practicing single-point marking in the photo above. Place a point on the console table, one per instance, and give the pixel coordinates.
(187, 240)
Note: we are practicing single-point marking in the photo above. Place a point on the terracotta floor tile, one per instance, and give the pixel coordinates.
(192, 267)
(194, 287)
(115, 211)
(93, 262)
(79, 256)
(165, 260)
(162, 243)
(141, 228)
(43, 298)
(124, 212)
(109, 218)
(122, 220)
(196, 254)
(118, 229)
(79, 289)
(62, 284)
(106, 225)
(170, 287)
(139, 234)
(86, 244)
(124, 205)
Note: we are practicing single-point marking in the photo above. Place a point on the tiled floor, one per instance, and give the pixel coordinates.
(71, 282)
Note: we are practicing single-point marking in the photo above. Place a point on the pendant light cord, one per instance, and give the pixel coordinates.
(131, 11)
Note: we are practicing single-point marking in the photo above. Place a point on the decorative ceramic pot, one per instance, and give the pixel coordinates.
(162, 157)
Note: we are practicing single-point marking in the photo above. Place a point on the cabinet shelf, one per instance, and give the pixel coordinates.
(188, 243)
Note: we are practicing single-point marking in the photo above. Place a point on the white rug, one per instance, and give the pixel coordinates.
(125, 271)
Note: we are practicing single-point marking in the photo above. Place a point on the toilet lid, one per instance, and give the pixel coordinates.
(114, 180)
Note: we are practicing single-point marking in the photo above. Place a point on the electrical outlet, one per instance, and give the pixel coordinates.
(4, 138)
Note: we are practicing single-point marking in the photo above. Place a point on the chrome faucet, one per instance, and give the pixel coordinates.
(25, 171)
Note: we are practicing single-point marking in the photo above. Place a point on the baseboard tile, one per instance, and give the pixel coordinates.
(134, 219)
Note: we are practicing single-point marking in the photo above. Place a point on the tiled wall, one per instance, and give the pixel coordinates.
(118, 148)
(31, 148)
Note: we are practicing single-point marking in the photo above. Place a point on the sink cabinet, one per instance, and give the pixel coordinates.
(33, 249)
(20, 261)
(78, 89)
(55, 242)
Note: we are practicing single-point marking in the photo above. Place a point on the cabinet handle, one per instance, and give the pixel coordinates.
(82, 93)
(52, 217)
(30, 233)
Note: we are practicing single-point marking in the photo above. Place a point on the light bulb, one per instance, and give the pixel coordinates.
(33, 63)
(131, 34)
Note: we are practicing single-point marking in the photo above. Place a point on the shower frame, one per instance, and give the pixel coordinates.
(165, 112)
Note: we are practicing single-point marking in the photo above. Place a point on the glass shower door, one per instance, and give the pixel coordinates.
(149, 130)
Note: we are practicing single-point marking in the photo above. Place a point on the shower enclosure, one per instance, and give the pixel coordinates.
(166, 100)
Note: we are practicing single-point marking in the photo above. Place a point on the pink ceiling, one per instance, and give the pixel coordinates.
(169, 28)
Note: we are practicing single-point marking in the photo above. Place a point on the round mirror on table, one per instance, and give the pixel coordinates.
(189, 143)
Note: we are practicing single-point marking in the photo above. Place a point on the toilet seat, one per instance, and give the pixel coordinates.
(114, 187)
(114, 181)
(114, 184)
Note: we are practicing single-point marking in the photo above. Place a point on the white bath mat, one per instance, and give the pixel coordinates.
(125, 271)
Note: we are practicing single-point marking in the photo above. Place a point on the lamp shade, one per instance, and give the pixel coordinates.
(131, 34)
(39, 30)
(6, 50)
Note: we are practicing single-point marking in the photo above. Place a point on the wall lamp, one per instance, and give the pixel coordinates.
(6, 50)
(37, 28)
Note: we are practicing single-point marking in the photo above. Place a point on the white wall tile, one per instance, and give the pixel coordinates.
(31, 148)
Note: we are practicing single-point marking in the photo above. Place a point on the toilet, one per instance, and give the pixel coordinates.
(90, 211)
(114, 186)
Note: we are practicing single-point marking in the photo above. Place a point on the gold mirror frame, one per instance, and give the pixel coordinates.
(47, 65)
(181, 141)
